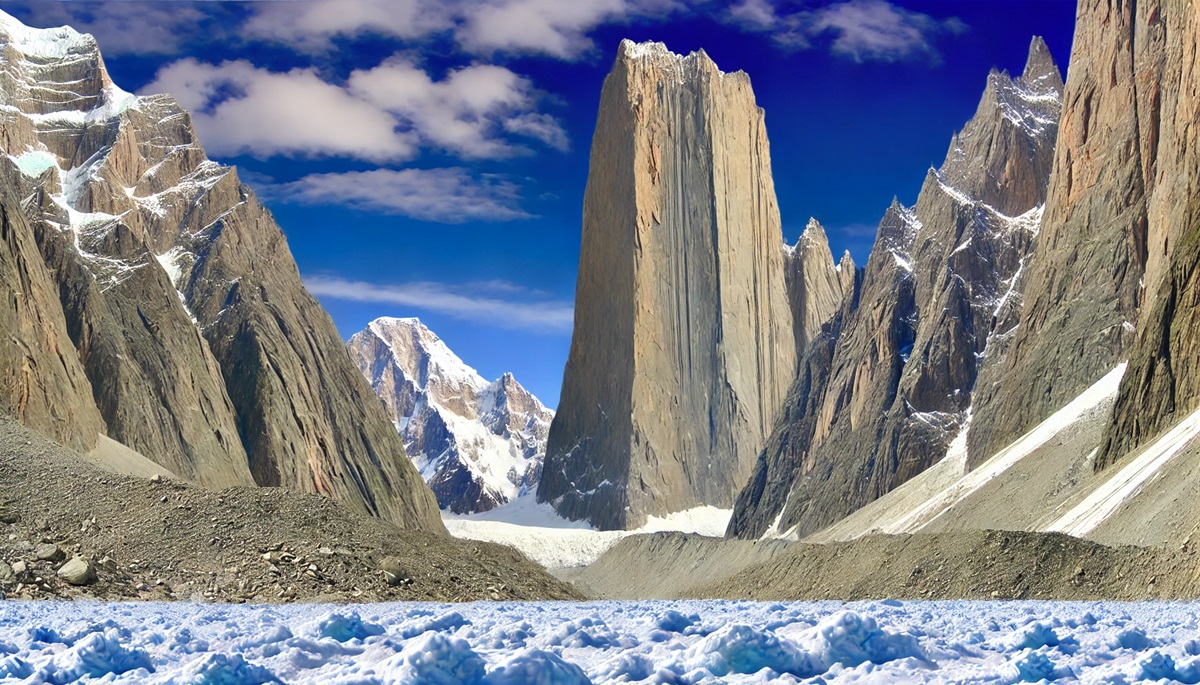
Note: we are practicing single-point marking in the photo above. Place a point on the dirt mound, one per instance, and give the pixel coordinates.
(163, 539)
(957, 565)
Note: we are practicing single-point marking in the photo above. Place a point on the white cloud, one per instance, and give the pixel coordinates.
(471, 302)
(878, 30)
(241, 109)
(555, 28)
(451, 195)
(861, 30)
(120, 28)
(384, 114)
(311, 25)
(754, 14)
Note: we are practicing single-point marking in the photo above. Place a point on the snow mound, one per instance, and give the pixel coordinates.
(535, 667)
(739, 648)
(222, 669)
(436, 660)
(850, 639)
(344, 628)
(95, 656)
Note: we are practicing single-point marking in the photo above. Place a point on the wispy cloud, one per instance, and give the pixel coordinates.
(130, 27)
(384, 114)
(860, 30)
(475, 302)
(447, 195)
(553, 28)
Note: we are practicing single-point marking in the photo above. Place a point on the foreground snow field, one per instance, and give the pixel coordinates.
(564, 643)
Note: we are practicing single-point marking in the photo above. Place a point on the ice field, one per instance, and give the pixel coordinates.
(559, 643)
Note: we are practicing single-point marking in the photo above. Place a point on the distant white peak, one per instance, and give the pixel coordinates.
(44, 43)
(442, 362)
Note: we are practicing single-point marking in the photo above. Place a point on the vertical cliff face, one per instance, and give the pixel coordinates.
(477, 444)
(891, 383)
(683, 343)
(1162, 382)
(815, 286)
(185, 309)
(42, 382)
(1084, 288)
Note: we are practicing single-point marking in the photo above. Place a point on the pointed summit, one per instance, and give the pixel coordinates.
(813, 285)
(1040, 67)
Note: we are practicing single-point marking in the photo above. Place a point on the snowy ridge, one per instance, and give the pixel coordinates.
(477, 444)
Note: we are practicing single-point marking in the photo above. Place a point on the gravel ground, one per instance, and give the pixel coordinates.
(167, 540)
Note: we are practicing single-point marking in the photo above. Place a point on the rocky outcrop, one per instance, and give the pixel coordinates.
(1162, 382)
(42, 382)
(1084, 289)
(890, 383)
(477, 444)
(185, 309)
(683, 344)
(814, 284)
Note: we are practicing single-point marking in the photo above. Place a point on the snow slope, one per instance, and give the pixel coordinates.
(930, 495)
(600, 642)
(554, 542)
(1127, 482)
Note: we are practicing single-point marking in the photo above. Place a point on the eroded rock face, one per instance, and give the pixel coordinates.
(185, 309)
(683, 344)
(889, 383)
(1083, 296)
(1162, 383)
(477, 444)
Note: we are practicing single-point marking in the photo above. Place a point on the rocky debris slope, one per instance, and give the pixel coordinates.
(161, 539)
(683, 344)
(960, 565)
(815, 285)
(881, 397)
(182, 303)
(477, 444)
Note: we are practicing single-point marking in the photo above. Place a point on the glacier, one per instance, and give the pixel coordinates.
(564, 643)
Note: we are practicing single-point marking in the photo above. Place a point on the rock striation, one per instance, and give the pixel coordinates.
(889, 383)
(683, 345)
(815, 285)
(179, 297)
(477, 444)
(1162, 383)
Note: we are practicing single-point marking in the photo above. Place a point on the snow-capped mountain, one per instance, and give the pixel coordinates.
(146, 295)
(478, 444)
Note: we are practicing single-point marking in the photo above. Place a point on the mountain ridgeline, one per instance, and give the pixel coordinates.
(150, 299)
(477, 444)
(1058, 238)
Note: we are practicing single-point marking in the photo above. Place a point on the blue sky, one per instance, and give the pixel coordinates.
(429, 158)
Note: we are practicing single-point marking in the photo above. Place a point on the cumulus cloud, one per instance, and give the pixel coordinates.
(470, 302)
(861, 30)
(384, 114)
(450, 195)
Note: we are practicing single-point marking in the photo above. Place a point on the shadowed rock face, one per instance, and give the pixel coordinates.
(889, 383)
(683, 344)
(477, 444)
(203, 350)
(1162, 383)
